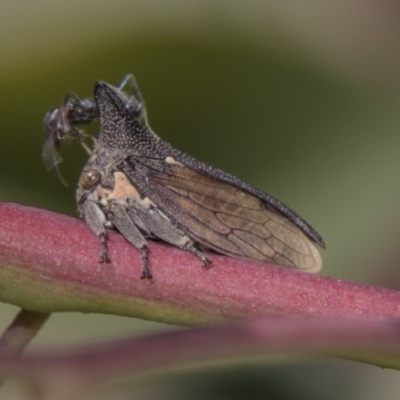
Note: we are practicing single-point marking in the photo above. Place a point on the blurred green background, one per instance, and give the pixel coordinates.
(300, 99)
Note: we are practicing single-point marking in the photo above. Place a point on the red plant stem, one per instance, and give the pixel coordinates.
(49, 262)
(376, 342)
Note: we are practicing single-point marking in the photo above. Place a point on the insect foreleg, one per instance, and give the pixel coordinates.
(95, 218)
(104, 253)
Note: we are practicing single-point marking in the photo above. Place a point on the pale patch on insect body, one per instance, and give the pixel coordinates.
(122, 192)
(172, 161)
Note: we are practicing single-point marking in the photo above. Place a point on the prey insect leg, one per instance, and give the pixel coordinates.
(135, 101)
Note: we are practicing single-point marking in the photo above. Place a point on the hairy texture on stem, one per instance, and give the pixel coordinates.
(50, 262)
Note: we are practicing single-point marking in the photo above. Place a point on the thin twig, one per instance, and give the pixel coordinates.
(20, 332)
(374, 342)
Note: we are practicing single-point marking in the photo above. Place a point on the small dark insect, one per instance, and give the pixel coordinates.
(61, 124)
(145, 188)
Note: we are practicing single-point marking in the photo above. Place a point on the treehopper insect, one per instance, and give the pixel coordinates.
(145, 188)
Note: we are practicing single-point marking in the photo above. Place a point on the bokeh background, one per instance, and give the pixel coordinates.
(301, 99)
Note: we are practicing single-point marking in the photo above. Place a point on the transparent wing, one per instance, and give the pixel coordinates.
(227, 219)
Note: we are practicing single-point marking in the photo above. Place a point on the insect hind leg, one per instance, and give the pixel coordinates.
(198, 253)
(162, 227)
(145, 264)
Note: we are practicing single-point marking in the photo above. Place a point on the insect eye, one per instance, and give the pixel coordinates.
(90, 178)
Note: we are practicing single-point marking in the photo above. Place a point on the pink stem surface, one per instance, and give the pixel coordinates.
(50, 262)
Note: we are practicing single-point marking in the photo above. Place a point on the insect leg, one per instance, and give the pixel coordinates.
(145, 259)
(198, 253)
(122, 221)
(104, 254)
(161, 226)
(84, 145)
(136, 101)
(95, 218)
